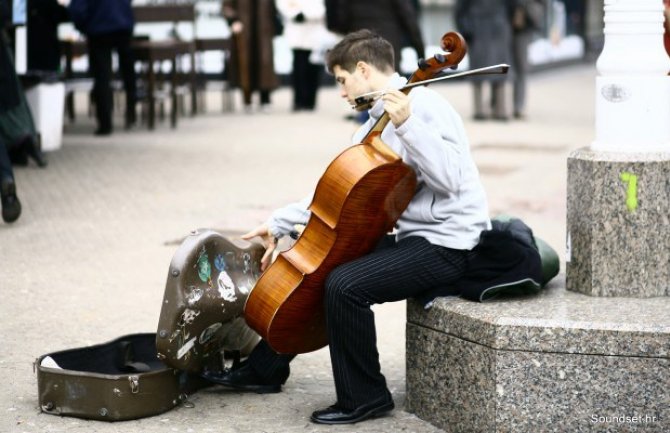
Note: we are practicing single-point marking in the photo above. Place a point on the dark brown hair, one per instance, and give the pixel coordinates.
(362, 45)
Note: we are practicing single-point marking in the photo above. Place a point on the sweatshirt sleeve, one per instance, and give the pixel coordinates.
(282, 220)
(435, 141)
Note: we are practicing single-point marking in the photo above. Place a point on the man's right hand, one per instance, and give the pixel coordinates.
(269, 241)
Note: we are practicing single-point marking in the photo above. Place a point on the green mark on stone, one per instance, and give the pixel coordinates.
(631, 192)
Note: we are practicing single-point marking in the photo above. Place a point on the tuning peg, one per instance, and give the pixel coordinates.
(423, 64)
(440, 58)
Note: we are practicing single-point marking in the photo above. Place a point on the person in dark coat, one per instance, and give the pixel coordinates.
(44, 52)
(9, 98)
(17, 127)
(11, 206)
(395, 20)
(108, 25)
(253, 24)
(487, 28)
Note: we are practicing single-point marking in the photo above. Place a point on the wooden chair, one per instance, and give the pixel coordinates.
(176, 85)
(205, 83)
(73, 84)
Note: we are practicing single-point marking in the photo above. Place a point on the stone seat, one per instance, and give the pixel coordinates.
(555, 361)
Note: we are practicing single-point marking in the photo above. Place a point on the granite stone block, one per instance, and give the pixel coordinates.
(618, 225)
(559, 361)
(444, 387)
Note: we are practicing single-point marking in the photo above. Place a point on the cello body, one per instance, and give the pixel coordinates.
(356, 202)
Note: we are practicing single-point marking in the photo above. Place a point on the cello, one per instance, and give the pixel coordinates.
(357, 201)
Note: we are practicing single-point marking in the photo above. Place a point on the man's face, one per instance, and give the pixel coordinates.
(352, 84)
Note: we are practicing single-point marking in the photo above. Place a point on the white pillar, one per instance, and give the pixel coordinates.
(633, 86)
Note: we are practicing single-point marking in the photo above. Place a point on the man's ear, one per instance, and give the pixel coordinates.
(364, 68)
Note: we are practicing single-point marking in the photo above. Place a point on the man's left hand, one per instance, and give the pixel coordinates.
(269, 241)
(396, 104)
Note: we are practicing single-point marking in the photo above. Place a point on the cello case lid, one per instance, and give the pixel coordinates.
(201, 317)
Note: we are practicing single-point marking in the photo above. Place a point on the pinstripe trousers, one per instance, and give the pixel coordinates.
(393, 272)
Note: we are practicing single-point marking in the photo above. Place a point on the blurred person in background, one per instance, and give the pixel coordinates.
(9, 98)
(254, 25)
(528, 18)
(17, 127)
(44, 16)
(486, 26)
(11, 206)
(108, 25)
(305, 32)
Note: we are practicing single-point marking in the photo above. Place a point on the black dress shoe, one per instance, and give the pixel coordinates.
(131, 119)
(11, 206)
(38, 157)
(102, 132)
(32, 150)
(18, 156)
(242, 379)
(336, 415)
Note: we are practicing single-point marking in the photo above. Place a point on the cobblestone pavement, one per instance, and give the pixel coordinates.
(88, 259)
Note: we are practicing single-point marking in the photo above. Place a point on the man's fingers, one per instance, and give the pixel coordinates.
(248, 235)
(258, 231)
(269, 242)
(265, 260)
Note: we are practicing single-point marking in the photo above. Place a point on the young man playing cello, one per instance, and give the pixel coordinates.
(429, 249)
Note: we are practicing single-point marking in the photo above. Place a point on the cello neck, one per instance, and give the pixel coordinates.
(373, 137)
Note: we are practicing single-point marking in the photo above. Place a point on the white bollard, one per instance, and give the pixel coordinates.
(633, 86)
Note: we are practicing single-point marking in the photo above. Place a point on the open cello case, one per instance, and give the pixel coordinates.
(200, 328)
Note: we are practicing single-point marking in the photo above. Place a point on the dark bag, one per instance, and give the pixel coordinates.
(119, 380)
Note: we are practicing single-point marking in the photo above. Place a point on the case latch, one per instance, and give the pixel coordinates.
(134, 384)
